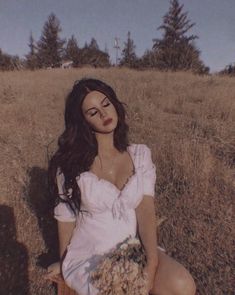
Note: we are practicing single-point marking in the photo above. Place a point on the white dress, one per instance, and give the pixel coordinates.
(112, 217)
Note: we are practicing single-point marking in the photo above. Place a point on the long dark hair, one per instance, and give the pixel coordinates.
(77, 145)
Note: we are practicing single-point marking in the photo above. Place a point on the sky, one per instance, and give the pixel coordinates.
(106, 19)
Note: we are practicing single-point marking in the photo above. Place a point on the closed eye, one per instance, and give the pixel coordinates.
(106, 105)
(94, 114)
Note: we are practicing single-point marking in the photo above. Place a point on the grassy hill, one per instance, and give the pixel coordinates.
(186, 120)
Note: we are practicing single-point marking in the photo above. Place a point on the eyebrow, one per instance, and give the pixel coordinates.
(94, 107)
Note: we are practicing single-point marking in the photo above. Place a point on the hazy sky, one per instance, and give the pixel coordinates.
(106, 19)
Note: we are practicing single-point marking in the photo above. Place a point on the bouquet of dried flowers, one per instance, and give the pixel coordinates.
(121, 270)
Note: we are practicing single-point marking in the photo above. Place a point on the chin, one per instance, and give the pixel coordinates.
(108, 128)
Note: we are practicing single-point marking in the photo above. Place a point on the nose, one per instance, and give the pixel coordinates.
(103, 113)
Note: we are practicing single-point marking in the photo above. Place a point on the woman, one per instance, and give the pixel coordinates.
(105, 188)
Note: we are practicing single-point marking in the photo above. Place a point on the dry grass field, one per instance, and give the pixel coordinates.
(188, 122)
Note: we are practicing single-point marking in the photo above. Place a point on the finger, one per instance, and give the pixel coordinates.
(49, 276)
(52, 279)
(53, 272)
(56, 280)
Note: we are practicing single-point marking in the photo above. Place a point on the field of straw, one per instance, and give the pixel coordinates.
(186, 120)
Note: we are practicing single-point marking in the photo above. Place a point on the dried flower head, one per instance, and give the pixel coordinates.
(121, 270)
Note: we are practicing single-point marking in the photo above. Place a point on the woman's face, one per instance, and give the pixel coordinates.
(99, 112)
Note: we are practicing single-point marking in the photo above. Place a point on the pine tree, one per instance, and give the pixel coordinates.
(31, 57)
(93, 44)
(228, 70)
(129, 57)
(10, 62)
(72, 51)
(92, 55)
(148, 60)
(177, 50)
(5, 61)
(50, 45)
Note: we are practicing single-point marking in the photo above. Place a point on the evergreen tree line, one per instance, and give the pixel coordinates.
(175, 51)
(9, 62)
(51, 50)
(228, 70)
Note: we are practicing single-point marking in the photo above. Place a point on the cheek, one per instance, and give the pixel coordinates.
(114, 111)
(93, 121)
(89, 120)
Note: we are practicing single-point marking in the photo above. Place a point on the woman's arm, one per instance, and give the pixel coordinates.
(65, 231)
(147, 228)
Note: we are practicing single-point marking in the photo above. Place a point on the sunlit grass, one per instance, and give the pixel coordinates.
(186, 120)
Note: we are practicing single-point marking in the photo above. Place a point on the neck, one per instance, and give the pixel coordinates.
(106, 148)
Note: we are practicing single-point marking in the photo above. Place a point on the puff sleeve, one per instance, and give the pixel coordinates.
(62, 212)
(148, 172)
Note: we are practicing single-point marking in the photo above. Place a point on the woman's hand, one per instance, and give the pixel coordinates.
(54, 273)
(150, 270)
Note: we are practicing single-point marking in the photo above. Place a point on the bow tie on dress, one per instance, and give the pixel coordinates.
(119, 209)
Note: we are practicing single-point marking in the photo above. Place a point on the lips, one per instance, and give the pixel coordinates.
(106, 122)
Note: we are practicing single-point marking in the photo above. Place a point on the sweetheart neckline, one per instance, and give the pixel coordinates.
(109, 182)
